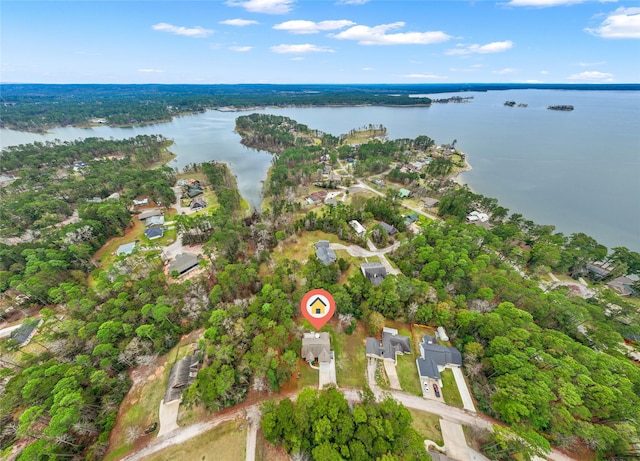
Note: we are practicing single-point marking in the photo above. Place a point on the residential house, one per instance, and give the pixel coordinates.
(149, 213)
(359, 228)
(410, 219)
(434, 358)
(404, 193)
(198, 203)
(194, 191)
(144, 201)
(27, 330)
(181, 376)
(324, 252)
(126, 249)
(392, 345)
(154, 232)
(183, 263)
(598, 271)
(624, 285)
(431, 202)
(375, 272)
(391, 230)
(316, 346)
(154, 221)
(115, 196)
(477, 216)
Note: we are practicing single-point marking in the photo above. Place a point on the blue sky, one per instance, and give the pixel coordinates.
(320, 41)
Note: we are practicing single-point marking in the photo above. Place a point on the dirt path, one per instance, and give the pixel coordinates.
(253, 421)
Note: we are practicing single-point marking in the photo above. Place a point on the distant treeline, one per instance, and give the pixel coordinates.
(35, 107)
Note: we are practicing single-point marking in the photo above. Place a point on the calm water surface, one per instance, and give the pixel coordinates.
(578, 170)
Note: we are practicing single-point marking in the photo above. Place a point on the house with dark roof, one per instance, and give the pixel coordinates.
(182, 375)
(375, 272)
(183, 263)
(410, 219)
(154, 232)
(434, 358)
(126, 249)
(27, 330)
(324, 252)
(392, 345)
(391, 230)
(316, 346)
(194, 191)
(598, 271)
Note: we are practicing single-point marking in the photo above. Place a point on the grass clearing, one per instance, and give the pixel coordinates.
(226, 442)
(427, 425)
(450, 391)
(139, 409)
(351, 361)
(408, 374)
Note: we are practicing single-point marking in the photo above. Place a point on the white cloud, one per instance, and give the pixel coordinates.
(151, 71)
(351, 2)
(592, 76)
(493, 47)
(591, 64)
(241, 49)
(300, 49)
(548, 3)
(622, 23)
(298, 58)
(264, 6)
(196, 31)
(424, 76)
(309, 27)
(368, 69)
(544, 72)
(378, 35)
(505, 71)
(238, 22)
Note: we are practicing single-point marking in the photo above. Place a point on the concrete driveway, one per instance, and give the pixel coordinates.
(168, 415)
(327, 373)
(428, 392)
(392, 374)
(455, 444)
(467, 401)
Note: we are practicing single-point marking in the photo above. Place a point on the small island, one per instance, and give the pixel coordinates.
(513, 104)
(561, 107)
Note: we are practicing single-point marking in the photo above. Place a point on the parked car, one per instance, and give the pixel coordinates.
(436, 390)
(426, 387)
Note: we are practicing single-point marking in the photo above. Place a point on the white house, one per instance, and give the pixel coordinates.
(359, 228)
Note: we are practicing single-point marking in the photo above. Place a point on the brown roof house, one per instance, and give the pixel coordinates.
(316, 346)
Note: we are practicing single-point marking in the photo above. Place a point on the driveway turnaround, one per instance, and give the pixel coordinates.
(168, 415)
(455, 443)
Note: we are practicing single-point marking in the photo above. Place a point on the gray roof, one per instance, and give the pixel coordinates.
(154, 232)
(597, 270)
(126, 249)
(183, 263)
(389, 228)
(375, 272)
(431, 202)
(623, 285)
(154, 221)
(316, 346)
(182, 375)
(26, 331)
(427, 368)
(393, 343)
(441, 355)
(374, 347)
(198, 202)
(324, 253)
(148, 213)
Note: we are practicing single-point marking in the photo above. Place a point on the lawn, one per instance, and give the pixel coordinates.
(450, 391)
(351, 361)
(139, 409)
(408, 374)
(226, 442)
(427, 425)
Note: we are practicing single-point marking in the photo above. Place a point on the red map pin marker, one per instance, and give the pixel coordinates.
(318, 306)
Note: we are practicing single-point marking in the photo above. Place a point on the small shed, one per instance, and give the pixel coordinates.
(359, 228)
(126, 249)
(404, 193)
(154, 232)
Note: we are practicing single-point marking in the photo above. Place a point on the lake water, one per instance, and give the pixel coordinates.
(578, 170)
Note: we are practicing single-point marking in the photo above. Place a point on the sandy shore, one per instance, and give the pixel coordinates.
(467, 167)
